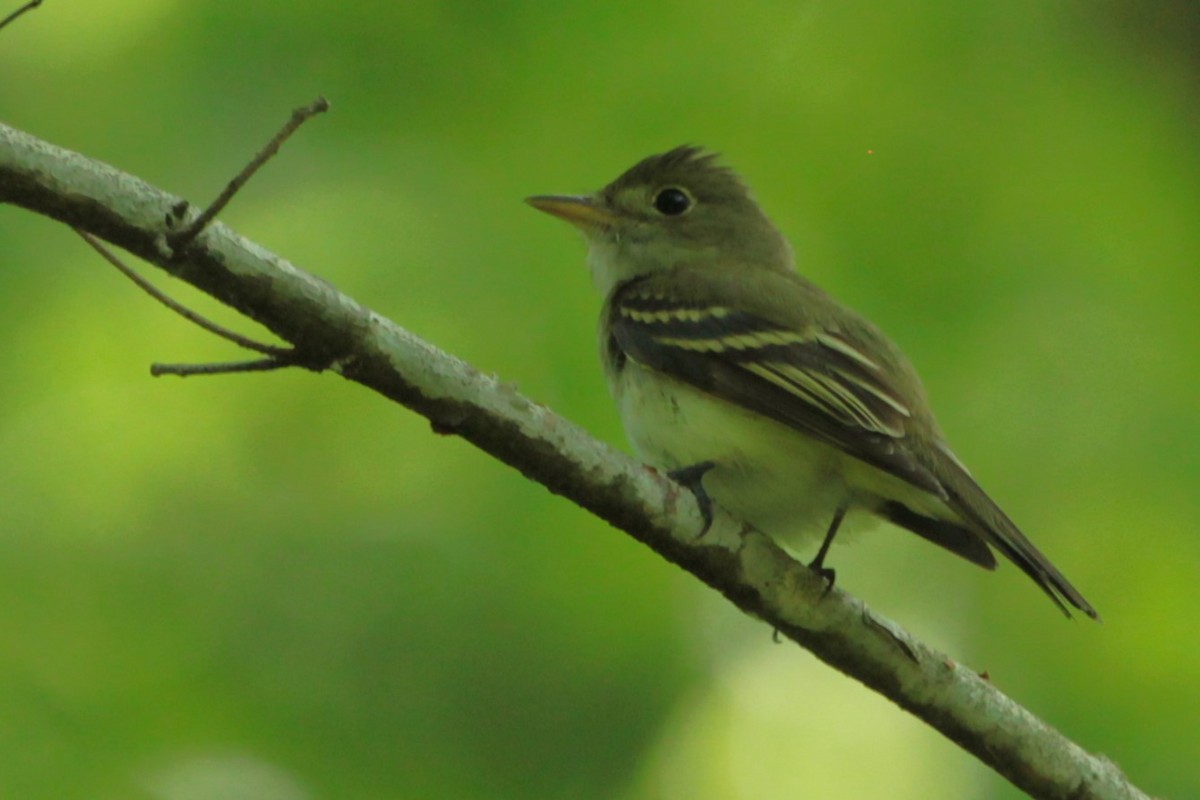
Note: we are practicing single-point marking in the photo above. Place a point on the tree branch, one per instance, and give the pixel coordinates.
(743, 564)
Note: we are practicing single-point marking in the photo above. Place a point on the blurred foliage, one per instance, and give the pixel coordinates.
(280, 586)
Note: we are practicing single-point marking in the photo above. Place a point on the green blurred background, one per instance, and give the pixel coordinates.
(284, 587)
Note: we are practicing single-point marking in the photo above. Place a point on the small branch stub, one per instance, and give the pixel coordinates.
(180, 240)
(227, 368)
(281, 353)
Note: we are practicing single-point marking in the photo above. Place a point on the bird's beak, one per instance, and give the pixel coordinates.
(580, 210)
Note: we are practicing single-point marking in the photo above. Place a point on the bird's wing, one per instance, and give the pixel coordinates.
(797, 372)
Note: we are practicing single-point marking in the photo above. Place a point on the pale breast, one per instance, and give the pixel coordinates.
(783, 482)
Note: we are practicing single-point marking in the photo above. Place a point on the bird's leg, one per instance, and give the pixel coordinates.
(691, 479)
(818, 563)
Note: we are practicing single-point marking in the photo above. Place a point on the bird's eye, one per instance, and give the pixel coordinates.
(672, 202)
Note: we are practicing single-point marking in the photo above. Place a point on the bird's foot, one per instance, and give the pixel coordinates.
(691, 478)
(828, 574)
(817, 565)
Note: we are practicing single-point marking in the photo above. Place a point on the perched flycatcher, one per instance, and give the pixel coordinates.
(751, 386)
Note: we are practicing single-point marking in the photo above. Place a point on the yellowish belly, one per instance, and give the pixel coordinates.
(783, 482)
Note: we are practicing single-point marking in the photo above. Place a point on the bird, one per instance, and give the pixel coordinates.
(757, 390)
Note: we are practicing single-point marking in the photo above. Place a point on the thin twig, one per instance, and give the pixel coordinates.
(182, 238)
(220, 368)
(280, 353)
(30, 6)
